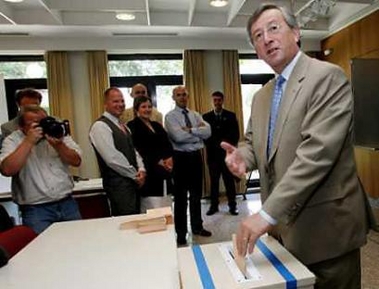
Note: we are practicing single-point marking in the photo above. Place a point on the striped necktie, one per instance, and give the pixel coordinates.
(186, 118)
(275, 103)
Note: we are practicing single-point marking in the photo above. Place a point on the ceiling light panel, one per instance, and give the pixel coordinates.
(125, 16)
(218, 3)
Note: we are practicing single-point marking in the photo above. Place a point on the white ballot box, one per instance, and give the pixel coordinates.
(270, 266)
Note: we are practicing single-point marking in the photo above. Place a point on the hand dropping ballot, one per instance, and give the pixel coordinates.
(220, 266)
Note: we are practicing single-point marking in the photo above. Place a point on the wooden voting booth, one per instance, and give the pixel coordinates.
(270, 266)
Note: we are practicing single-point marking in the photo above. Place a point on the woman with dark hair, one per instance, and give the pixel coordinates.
(151, 141)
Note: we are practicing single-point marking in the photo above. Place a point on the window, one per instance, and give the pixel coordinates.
(254, 74)
(159, 72)
(145, 66)
(166, 102)
(23, 71)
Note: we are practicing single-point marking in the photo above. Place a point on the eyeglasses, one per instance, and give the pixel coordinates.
(271, 29)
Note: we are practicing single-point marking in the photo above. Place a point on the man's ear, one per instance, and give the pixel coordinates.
(296, 33)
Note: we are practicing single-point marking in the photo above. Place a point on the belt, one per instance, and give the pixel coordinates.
(48, 203)
(187, 153)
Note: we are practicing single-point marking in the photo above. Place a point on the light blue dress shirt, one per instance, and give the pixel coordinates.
(181, 139)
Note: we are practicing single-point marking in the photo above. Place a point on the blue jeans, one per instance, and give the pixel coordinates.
(39, 217)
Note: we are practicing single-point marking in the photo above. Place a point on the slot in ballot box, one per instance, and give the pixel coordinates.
(270, 266)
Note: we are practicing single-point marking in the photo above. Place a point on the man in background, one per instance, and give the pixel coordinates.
(224, 127)
(39, 167)
(187, 131)
(300, 137)
(27, 96)
(120, 164)
(140, 90)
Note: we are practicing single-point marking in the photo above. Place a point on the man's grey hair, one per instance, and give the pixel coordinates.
(288, 16)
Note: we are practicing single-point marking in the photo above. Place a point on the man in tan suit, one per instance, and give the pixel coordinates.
(300, 138)
(140, 90)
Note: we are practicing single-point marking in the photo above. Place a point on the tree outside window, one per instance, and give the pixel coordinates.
(145, 67)
(22, 70)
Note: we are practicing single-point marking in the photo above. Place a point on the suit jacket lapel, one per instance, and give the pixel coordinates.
(265, 110)
(289, 96)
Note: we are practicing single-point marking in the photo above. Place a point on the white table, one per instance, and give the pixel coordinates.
(94, 254)
(80, 188)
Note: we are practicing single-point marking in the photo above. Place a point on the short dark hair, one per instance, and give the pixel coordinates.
(26, 109)
(139, 100)
(108, 90)
(218, 94)
(289, 17)
(27, 92)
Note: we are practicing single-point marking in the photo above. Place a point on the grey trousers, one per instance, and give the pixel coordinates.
(343, 272)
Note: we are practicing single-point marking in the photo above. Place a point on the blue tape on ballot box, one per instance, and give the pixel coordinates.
(291, 282)
(205, 275)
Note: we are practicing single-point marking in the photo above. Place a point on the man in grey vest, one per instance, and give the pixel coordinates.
(120, 164)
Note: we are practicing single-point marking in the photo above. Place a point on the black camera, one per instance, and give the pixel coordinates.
(54, 128)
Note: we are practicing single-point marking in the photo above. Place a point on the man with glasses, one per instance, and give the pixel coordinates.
(140, 90)
(187, 131)
(300, 138)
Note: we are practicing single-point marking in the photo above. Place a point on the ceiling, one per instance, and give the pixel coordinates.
(158, 18)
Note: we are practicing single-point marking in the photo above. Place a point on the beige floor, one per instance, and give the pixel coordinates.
(222, 225)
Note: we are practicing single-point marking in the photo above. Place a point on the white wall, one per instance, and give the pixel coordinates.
(213, 61)
(82, 112)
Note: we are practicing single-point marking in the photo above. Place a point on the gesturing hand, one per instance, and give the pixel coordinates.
(234, 160)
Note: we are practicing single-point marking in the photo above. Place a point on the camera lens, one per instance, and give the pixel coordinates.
(52, 127)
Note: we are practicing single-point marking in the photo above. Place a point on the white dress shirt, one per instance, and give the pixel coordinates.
(101, 137)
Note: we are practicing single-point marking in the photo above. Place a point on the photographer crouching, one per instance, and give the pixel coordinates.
(38, 156)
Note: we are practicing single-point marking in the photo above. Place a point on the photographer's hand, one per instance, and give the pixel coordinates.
(12, 164)
(34, 134)
(54, 142)
(66, 154)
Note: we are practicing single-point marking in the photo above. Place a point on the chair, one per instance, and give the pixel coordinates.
(94, 206)
(16, 238)
(252, 183)
(6, 222)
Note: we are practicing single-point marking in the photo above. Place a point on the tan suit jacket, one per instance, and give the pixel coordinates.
(309, 181)
(129, 115)
(9, 127)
